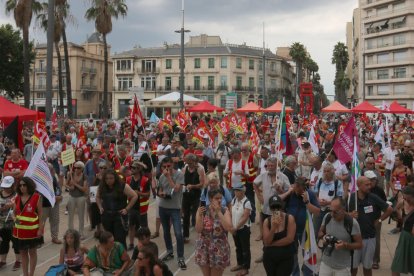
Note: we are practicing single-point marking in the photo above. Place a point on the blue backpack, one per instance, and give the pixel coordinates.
(57, 270)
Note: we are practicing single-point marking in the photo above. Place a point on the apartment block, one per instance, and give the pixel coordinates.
(87, 76)
(386, 51)
(212, 69)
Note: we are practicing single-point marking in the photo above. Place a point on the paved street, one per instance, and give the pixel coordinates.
(49, 254)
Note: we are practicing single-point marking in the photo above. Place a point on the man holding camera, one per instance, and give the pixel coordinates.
(170, 194)
(341, 235)
(368, 215)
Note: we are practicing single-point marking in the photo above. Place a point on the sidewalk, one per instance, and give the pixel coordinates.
(48, 255)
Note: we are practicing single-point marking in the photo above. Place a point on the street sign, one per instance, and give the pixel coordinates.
(231, 100)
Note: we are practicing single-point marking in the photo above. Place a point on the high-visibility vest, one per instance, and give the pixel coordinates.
(243, 179)
(252, 169)
(27, 220)
(143, 200)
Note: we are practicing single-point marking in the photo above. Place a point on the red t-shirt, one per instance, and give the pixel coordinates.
(11, 166)
(188, 151)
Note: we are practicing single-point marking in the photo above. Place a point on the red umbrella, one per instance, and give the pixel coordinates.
(397, 108)
(365, 107)
(277, 107)
(336, 107)
(205, 106)
(250, 107)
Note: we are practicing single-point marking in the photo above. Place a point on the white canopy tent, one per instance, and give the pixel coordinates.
(172, 100)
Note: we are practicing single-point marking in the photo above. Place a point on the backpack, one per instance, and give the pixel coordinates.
(335, 184)
(57, 270)
(348, 224)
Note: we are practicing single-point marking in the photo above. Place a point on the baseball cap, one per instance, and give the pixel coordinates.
(239, 188)
(275, 203)
(7, 182)
(370, 174)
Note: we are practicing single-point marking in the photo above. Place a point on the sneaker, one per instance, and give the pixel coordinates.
(394, 231)
(16, 266)
(167, 257)
(66, 212)
(182, 265)
(186, 240)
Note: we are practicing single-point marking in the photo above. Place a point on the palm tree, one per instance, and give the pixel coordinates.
(102, 11)
(311, 67)
(340, 59)
(42, 21)
(23, 11)
(298, 53)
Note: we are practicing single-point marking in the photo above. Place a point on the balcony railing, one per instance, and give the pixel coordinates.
(148, 71)
(88, 87)
(40, 87)
(40, 70)
(388, 77)
(390, 44)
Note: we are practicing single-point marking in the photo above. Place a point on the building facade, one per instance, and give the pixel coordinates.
(87, 77)
(384, 51)
(212, 71)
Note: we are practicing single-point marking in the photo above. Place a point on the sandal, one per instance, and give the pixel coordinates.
(155, 235)
(236, 268)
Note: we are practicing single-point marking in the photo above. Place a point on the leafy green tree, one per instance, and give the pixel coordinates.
(342, 82)
(23, 11)
(11, 61)
(102, 11)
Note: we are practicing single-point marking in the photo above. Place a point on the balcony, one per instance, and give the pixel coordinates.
(373, 3)
(222, 88)
(386, 25)
(244, 88)
(88, 87)
(92, 71)
(41, 70)
(40, 87)
(148, 71)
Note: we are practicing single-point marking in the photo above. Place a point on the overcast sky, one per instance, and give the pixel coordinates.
(317, 24)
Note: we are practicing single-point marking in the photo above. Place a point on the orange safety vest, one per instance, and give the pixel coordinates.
(252, 169)
(243, 179)
(143, 200)
(27, 220)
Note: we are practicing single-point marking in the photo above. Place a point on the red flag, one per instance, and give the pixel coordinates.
(40, 134)
(137, 120)
(54, 121)
(344, 145)
(223, 126)
(254, 139)
(201, 132)
(182, 119)
(233, 121)
(81, 137)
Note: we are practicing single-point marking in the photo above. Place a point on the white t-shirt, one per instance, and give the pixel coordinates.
(314, 177)
(236, 179)
(389, 154)
(162, 148)
(340, 169)
(237, 210)
(262, 165)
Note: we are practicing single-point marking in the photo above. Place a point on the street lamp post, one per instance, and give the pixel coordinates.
(182, 31)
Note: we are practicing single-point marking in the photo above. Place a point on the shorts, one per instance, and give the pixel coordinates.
(143, 220)
(133, 218)
(388, 176)
(366, 254)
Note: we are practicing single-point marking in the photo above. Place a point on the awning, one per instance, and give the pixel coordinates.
(379, 23)
(396, 20)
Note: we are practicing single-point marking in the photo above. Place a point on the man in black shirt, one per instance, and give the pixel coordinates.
(289, 170)
(368, 215)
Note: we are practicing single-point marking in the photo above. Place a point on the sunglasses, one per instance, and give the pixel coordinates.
(166, 167)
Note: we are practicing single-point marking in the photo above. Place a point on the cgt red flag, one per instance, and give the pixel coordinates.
(344, 145)
(137, 120)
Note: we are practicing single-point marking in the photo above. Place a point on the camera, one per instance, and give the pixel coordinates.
(330, 244)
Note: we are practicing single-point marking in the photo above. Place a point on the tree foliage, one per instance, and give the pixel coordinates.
(102, 11)
(11, 61)
(298, 53)
(340, 58)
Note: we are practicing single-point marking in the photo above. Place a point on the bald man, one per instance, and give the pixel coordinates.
(368, 214)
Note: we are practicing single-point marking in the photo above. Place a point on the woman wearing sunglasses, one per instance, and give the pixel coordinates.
(78, 189)
(278, 238)
(27, 226)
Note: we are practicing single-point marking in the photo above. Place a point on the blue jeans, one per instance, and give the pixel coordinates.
(173, 215)
(305, 270)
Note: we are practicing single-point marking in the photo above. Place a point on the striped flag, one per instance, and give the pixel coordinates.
(38, 170)
(282, 140)
(309, 244)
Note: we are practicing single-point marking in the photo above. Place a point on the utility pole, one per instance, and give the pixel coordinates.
(182, 31)
(49, 57)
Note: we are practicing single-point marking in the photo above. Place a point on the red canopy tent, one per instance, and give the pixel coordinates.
(365, 107)
(397, 108)
(205, 106)
(250, 107)
(277, 107)
(336, 107)
(9, 111)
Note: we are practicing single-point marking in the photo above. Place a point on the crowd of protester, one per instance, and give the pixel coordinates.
(219, 188)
